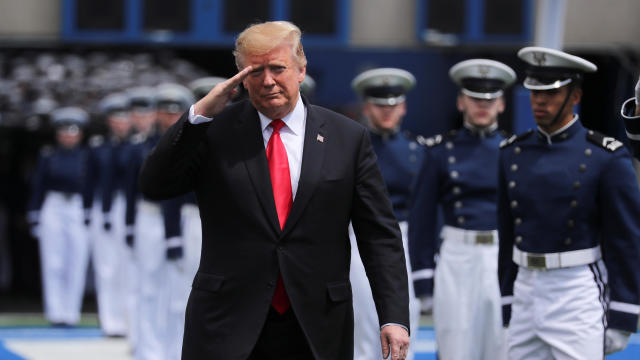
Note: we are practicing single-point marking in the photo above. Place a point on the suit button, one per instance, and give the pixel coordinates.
(517, 150)
(514, 204)
(567, 241)
(452, 159)
(456, 190)
(514, 167)
(574, 203)
(458, 204)
(583, 167)
(587, 152)
(571, 223)
(460, 220)
(518, 239)
(512, 184)
(576, 185)
(517, 222)
(449, 145)
(454, 174)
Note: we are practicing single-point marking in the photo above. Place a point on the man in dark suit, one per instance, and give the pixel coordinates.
(277, 181)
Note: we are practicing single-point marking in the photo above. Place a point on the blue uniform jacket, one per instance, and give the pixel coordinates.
(459, 177)
(574, 190)
(399, 158)
(61, 170)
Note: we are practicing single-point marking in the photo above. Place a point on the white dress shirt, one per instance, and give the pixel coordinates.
(292, 136)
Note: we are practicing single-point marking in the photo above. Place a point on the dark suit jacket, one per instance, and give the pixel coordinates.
(243, 248)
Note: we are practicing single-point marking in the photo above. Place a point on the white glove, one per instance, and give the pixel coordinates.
(35, 231)
(638, 92)
(615, 340)
(426, 304)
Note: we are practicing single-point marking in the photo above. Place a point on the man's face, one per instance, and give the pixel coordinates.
(120, 124)
(68, 139)
(143, 121)
(384, 117)
(167, 118)
(273, 84)
(545, 104)
(480, 112)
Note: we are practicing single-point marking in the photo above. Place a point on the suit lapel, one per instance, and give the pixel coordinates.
(250, 135)
(312, 157)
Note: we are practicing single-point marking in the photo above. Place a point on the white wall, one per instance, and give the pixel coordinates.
(602, 23)
(383, 23)
(29, 19)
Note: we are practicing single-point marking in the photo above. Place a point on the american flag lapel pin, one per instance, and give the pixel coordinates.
(320, 138)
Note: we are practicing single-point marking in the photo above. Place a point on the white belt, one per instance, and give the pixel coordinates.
(473, 237)
(556, 260)
(149, 207)
(190, 210)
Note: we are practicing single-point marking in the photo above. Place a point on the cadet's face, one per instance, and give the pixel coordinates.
(68, 139)
(120, 125)
(143, 121)
(480, 112)
(273, 84)
(545, 104)
(166, 119)
(384, 117)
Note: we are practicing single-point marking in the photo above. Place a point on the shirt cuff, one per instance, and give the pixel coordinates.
(387, 324)
(197, 119)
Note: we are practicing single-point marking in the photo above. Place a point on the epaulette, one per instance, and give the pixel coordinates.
(515, 138)
(96, 140)
(606, 142)
(46, 150)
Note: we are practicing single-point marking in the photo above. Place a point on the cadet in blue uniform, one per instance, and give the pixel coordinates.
(143, 226)
(399, 156)
(568, 225)
(459, 176)
(107, 225)
(631, 113)
(172, 100)
(59, 194)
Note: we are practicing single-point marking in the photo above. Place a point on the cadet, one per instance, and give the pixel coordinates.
(631, 113)
(567, 220)
(459, 176)
(58, 196)
(142, 221)
(172, 100)
(399, 155)
(107, 225)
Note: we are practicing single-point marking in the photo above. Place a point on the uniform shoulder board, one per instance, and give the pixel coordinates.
(505, 134)
(452, 133)
(515, 138)
(606, 142)
(96, 140)
(430, 141)
(46, 150)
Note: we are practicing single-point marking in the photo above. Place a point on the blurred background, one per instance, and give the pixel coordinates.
(77, 51)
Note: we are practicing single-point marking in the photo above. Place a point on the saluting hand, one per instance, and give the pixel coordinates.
(215, 101)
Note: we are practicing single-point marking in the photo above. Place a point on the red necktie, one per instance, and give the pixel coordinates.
(282, 194)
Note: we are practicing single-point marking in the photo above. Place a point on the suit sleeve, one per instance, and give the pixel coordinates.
(507, 269)
(620, 202)
(170, 168)
(379, 239)
(423, 237)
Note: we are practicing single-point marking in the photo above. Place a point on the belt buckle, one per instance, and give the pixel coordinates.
(484, 238)
(536, 261)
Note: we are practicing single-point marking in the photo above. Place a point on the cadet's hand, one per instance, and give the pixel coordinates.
(426, 304)
(215, 101)
(615, 340)
(395, 342)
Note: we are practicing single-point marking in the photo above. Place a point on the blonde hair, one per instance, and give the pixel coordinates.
(259, 39)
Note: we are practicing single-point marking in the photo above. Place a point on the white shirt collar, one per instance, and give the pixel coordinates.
(294, 120)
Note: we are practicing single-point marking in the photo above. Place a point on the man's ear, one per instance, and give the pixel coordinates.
(459, 103)
(303, 73)
(576, 96)
(500, 105)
